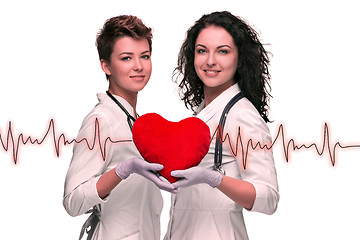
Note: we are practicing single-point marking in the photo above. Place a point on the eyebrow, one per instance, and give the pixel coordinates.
(131, 53)
(221, 46)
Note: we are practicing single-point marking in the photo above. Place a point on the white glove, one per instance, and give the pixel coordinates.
(145, 169)
(196, 175)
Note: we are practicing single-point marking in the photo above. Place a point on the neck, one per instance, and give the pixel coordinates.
(210, 93)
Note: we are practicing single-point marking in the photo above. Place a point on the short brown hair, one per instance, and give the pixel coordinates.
(116, 27)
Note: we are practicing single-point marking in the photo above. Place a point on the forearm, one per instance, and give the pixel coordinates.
(106, 183)
(241, 192)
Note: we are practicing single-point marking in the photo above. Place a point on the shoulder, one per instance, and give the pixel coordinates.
(244, 108)
(105, 113)
(98, 114)
(100, 117)
(245, 115)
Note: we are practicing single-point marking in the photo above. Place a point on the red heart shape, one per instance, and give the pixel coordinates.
(175, 145)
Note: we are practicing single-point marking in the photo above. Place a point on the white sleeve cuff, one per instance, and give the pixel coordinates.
(266, 199)
(91, 193)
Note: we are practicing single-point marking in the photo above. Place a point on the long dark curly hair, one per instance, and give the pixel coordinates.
(252, 74)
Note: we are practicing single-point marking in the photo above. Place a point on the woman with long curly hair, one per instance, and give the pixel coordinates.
(222, 62)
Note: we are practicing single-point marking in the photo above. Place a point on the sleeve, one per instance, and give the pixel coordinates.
(87, 164)
(256, 165)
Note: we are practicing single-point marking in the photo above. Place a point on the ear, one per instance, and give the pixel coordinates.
(105, 67)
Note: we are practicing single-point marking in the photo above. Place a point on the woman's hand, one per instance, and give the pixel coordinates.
(241, 192)
(145, 169)
(196, 175)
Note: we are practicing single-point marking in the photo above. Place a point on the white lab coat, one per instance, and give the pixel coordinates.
(203, 212)
(132, 210)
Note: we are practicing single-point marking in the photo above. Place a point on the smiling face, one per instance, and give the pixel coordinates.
(129, 68)
(216, 60)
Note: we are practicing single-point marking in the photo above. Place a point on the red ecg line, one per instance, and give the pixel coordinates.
(15, 144)
(279, 138)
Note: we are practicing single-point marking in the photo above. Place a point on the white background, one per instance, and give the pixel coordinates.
(49, 69)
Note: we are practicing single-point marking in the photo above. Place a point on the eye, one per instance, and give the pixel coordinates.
(223, 51)
(200, 50)
(146, 56)
(127, 58)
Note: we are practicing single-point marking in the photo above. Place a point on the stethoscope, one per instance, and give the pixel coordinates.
(130, 119)
(218, 144)
(219, 136)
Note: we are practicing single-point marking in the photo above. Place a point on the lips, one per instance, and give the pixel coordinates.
(211, 73)
(138, 77)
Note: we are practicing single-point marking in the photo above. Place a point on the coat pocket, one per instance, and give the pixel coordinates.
(230, 225)
(134, 236)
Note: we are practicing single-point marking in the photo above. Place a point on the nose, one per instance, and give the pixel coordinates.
(138, 65)
(210, 61)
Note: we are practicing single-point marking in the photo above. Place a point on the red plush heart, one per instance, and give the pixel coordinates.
(175, 145)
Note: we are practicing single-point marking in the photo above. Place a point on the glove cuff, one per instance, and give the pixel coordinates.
(123, 170)
(215, 179)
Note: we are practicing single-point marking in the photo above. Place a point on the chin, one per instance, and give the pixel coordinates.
(139, 88)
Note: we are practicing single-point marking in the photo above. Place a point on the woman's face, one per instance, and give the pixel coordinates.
(216, 58)
(129, 67)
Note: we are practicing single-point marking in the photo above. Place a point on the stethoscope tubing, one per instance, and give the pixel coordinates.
(219, 135)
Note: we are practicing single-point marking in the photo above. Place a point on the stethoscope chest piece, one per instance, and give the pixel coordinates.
(220, 169)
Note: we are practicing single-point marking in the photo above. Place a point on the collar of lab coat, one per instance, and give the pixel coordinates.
(218, 104)
(104, 98)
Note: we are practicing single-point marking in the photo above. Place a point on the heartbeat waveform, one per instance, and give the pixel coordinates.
(15, 144)
(280, 136)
